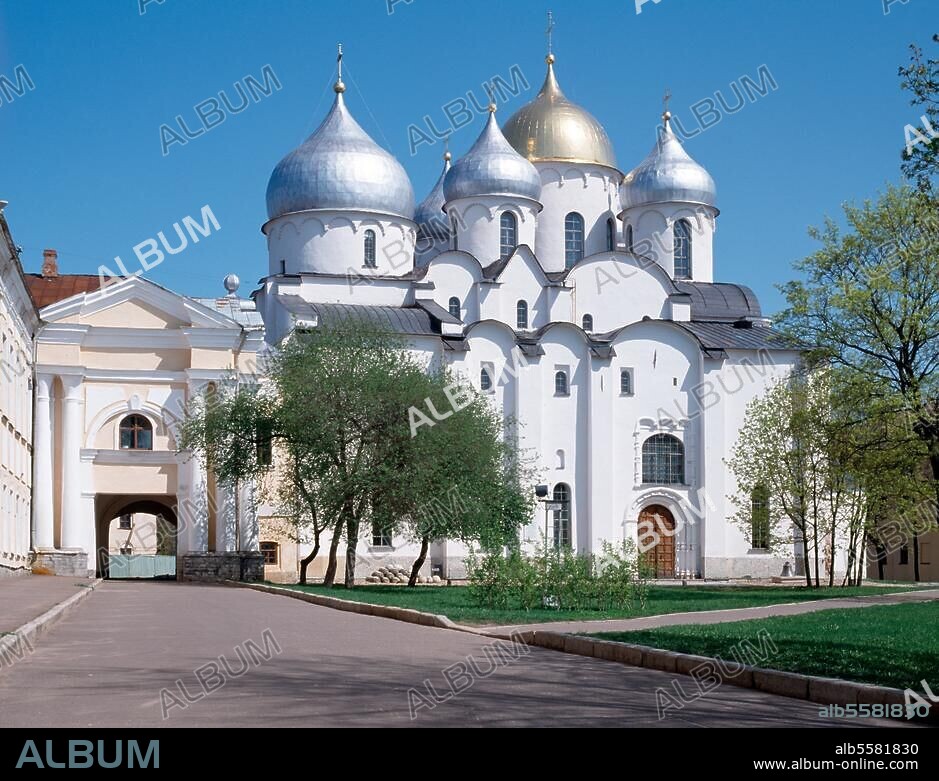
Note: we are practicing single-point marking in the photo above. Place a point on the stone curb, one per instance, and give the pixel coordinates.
(350, 606)
(826, 691)
(11, 643)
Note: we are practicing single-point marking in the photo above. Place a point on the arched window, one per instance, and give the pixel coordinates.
(682, 245)
(759, 517)
(560, 384)
(626, 382)
(610, 235)
(454, 307)
(136, 433)
(629, 238)
(573, 239)
(562, 516)
(453, 236)
(270, 550)
(370, 249)
(521, 315)
(485, 380)
(587, 323)
(508, 234)
(663, 460)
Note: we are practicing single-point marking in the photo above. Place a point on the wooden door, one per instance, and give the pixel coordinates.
(657, 524)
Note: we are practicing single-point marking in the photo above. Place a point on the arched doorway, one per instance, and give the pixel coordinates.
(136, 537)
(657, 540)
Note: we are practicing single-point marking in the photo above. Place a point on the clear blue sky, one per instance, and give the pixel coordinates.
(81, 159)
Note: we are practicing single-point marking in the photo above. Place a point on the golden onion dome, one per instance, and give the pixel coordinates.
(552, 128)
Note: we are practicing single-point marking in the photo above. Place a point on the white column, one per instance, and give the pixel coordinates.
(43, 522)
(248, 519)
(225, 519)
(192, 498)
(192, 507)
(74, 535)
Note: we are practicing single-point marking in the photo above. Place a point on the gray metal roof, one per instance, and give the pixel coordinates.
(493, 270)
(436, 311)
(401, 320)
(720, 301)
(720, 336)
(232, 307)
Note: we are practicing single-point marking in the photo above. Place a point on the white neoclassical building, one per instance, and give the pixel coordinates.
(116, 368)
(19, 322)
(579, 295)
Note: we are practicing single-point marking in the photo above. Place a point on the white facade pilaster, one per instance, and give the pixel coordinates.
(226, 520)
(74, 535)
(43, 518)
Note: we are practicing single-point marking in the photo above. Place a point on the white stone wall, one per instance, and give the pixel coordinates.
(333, 242)
(476, 223)
(653, 237)
(590, 190)
(18, 323)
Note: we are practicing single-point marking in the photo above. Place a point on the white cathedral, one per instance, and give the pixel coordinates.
(579, 297)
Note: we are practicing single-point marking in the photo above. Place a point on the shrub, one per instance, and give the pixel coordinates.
(560, 579)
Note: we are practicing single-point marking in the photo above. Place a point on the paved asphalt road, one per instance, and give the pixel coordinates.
(106, 662)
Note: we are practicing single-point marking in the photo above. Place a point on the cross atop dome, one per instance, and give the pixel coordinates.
(339, 87)
(548, 33)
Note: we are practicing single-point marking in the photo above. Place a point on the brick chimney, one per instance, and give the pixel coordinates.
(50, 263)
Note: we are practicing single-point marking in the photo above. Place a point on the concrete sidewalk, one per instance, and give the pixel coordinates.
(718, 616)
(26, 597)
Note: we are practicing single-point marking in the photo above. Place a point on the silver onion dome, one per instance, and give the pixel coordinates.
(429, 216)
(668, 174)
(340, 167)
(492, 167)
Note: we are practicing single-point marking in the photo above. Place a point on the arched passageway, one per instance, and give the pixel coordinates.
(136, 537)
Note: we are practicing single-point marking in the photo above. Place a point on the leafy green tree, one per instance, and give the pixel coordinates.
(487, 497)
(869, 302)
(880, 464)
(921, 154)
(335, 411)
(780, 457)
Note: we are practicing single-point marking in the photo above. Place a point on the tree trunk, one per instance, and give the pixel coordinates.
(934, 463)
(352, 540)
(881, 559)
(805, 556)
(831, 557)
(915, 557)
(853, 574)
(331, 566)
(304, 563)
(815, 552)
(419, 562)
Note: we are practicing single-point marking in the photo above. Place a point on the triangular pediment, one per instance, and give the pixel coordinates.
(135, 303)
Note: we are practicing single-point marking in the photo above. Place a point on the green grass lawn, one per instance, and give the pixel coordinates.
(456, 604)
(890, 645)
